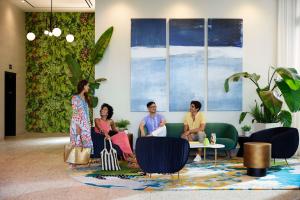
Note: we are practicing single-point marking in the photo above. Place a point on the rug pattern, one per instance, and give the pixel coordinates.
(227, 175)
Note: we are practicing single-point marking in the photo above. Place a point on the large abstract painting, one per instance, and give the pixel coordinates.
(148, 63)
(225, 42)
(187, 70)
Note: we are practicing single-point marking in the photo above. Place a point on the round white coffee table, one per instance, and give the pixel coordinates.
(198, 145)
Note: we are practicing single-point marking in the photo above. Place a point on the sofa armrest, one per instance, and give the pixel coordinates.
(231, 133)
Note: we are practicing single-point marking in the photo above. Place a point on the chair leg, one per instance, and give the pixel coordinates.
(274, 161)
(228, 153)
(90, 162)
(178, 175)
(287, 164)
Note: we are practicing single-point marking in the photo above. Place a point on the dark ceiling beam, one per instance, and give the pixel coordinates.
(87, 3)
(29, 3)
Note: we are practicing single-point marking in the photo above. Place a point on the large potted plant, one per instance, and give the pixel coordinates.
(96, 56)
(283, 86)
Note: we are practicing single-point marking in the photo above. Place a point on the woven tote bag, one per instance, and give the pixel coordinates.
(109, 158)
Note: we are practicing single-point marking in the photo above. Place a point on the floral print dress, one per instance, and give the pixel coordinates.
(81, 118)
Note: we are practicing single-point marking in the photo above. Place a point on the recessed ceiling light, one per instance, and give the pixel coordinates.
(23, 1)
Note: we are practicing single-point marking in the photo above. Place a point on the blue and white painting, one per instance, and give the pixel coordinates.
(148, 64)
(187, 69)
(225, 42)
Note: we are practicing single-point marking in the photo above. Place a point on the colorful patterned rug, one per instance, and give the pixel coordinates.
(227, 175)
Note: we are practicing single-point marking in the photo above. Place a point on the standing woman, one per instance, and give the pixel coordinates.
(80, 128)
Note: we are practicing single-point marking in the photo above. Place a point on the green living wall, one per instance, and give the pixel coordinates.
(48, 88)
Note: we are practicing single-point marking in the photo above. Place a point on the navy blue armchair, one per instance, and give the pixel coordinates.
(284, 140)
(161, 154)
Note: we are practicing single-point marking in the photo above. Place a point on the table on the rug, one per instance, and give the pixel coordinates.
(212, 146)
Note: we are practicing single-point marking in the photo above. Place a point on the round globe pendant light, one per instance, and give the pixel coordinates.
(30, 36)
(56, 32)
(70, 38)
(49, 30)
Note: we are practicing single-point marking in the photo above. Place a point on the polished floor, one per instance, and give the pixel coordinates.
(32, 167)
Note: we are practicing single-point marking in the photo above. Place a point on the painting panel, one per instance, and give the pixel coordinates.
(148, 63)
(225, 43)
(187, 69)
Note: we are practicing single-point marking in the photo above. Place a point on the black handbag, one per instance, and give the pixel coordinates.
(112, 133)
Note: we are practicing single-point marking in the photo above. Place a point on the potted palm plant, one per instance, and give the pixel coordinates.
(96, 55)
(283, 86)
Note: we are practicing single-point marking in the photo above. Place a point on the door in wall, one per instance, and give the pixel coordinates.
(10, 104)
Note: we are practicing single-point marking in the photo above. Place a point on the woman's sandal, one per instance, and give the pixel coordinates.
(133, 165)
(72, 166)
(130, 158)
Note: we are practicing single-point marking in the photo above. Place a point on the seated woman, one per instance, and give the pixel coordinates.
(106, 126)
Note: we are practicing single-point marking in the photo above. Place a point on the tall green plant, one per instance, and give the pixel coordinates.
(283, 86)
(97, 54)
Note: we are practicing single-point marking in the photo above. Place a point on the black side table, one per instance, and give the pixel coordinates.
(242, 140)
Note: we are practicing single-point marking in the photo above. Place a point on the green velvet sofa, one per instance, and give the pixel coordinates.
(226, 133)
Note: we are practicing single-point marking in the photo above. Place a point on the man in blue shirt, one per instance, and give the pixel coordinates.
(154, 122)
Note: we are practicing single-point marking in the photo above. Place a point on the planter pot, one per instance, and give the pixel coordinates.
(123, 130)
(262, 126)
(247, 133)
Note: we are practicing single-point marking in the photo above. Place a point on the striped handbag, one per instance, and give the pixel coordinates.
(109, 158)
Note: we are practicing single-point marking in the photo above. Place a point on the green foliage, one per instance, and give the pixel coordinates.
(125, 170)
(246, 128)
(123, 123)
(285, 81)
(101, 45)
(48, 86)
(96, 54)
(75, 69)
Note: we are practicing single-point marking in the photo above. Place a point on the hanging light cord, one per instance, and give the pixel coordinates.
(51, 17)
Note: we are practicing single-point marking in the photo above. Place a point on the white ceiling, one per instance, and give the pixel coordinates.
(57, 5)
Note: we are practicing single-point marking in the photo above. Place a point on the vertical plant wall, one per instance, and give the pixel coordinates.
(48, 87)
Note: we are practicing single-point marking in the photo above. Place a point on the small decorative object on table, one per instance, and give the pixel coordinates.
(213, 138)
(206, 141)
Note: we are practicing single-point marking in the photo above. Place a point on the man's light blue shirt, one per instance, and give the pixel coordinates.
(152, 123)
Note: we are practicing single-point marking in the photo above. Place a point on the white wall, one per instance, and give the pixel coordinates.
(12, 51)
(259, 51)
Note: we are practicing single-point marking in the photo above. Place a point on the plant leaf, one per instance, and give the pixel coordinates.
(236, 77)
(99, 80)
(257, 114)
(242, 116)
(94, 101)
(74, 68)
(270, 101)
(285, 117)
(290, 76)
(291, 97)
(101, 45)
